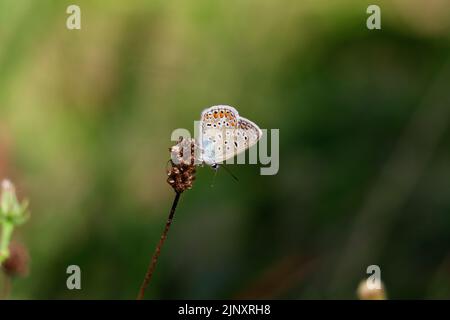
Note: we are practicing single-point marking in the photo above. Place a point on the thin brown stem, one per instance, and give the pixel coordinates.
(152, 266)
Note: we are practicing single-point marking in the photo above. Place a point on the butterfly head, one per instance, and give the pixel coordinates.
(215, 166)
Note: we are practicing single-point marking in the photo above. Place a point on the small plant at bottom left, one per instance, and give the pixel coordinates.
(13, 256)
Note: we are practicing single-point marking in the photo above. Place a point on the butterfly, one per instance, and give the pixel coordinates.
(224, 134)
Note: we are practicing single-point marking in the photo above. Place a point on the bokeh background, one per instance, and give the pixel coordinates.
(85, 124)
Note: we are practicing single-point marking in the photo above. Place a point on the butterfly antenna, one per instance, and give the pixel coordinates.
(229, 171)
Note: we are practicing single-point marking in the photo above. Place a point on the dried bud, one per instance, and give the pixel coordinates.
(182, 171)
(17, 264)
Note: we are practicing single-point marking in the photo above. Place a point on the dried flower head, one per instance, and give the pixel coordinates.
(17, 264)
(181, 174)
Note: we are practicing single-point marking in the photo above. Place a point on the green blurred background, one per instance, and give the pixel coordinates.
(85, 124)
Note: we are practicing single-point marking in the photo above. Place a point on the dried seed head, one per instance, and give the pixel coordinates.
(181, 174)
(183, 152)
(17, 264)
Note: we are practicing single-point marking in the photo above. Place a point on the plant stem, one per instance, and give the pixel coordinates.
(7, 230)
(151, 267)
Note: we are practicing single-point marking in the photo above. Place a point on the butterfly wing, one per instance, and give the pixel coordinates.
(223, 134)
(216, 126)
(248, 134)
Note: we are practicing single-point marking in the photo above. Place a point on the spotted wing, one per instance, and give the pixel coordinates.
(224, 134)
